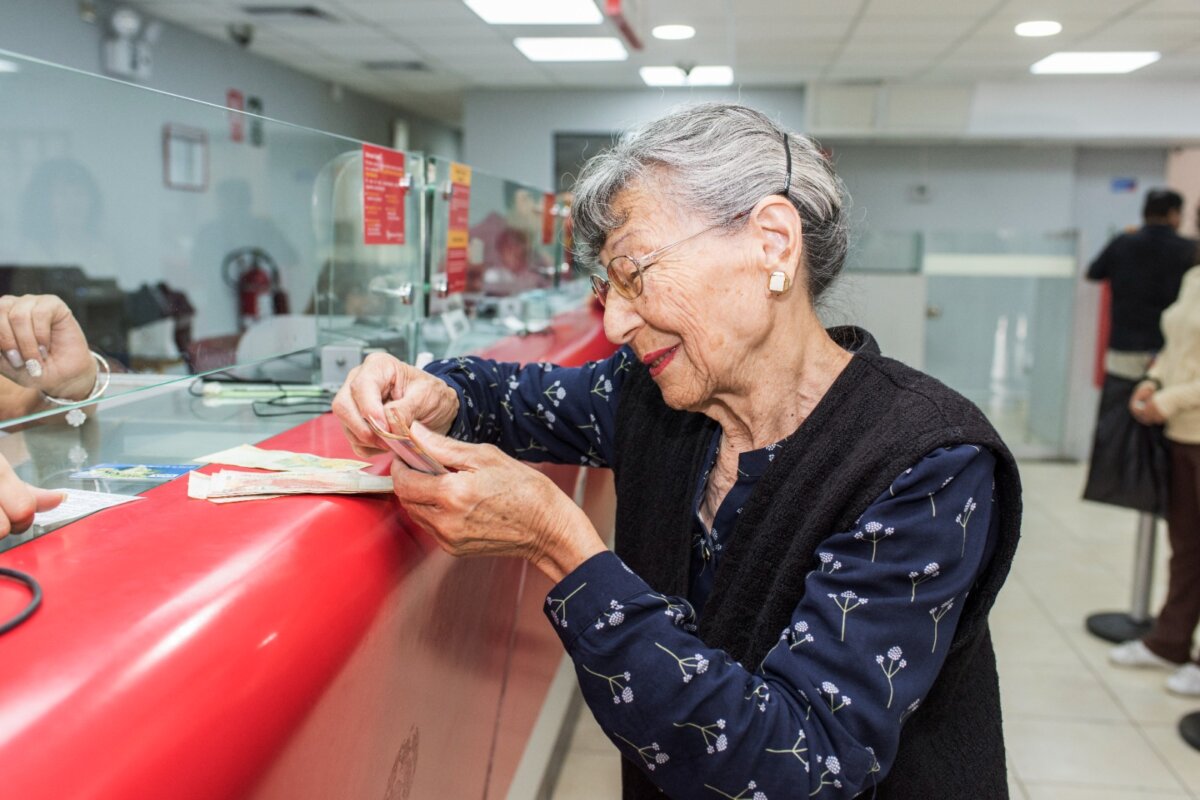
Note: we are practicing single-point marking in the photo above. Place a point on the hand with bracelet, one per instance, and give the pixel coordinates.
(43, 351)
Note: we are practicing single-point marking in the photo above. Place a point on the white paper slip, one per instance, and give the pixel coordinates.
(79, 503)
(247, 455)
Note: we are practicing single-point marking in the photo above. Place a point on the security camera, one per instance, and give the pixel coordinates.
(242, 33)
(685, 67)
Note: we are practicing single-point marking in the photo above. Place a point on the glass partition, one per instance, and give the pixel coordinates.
(497, 263)
(1000, 313)
(185, 237)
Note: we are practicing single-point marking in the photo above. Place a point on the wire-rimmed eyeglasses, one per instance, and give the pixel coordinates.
(625, 272)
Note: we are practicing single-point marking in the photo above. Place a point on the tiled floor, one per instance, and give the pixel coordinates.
(1076, 728)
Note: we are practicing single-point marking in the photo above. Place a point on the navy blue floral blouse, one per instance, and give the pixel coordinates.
(822, 714)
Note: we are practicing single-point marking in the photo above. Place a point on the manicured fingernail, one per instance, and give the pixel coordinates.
(34, 367)
(14, 358)
(42, 349)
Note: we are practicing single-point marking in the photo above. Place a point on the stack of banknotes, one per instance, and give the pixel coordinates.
(291, 473)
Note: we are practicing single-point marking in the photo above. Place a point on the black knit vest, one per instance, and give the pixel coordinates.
(879, 418)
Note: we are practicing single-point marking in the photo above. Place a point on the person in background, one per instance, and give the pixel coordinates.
(1170, 395)
(44, 357)
(62, 216)
(1144, 270)
(809, 536)
(505, 258)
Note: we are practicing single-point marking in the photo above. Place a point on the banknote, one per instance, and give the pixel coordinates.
(198, 485)
(406, 448)
(231, 484)
(247, 455)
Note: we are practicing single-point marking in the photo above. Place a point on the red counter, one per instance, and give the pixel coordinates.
(305, 647)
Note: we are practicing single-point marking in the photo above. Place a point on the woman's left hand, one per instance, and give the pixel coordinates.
(491, 504)
(42, 346)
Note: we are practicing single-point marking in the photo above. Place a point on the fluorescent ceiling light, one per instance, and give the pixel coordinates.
(699, 76)
(673, 32)
(597, 48)
(537, 12)
(1038, 27)
(9, 66)
(1066, 63)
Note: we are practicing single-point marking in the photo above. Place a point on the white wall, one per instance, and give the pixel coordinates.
(203, 68)
(970, 187)
(511, 133)
(1074, 109)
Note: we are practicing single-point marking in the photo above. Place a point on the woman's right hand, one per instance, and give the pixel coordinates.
(383, 380)
(1141, 404)
(19, 501)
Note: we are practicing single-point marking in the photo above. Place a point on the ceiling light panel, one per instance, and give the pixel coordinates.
(673, 33)
(537, 12)
(9, 66)
(1038, 27)
(595, 48)
(1083, 63)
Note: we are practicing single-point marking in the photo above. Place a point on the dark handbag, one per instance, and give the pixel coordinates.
(1130, 462)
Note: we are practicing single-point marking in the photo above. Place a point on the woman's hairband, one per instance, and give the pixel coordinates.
(787, 149)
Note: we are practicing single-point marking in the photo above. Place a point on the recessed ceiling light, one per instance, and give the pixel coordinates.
(9, 66)
(698, 76)
(1038, 27)
(673, 32)
(596, 48)
(537, 12)
(1066, 63)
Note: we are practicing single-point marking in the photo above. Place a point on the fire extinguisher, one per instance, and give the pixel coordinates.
(255, 276)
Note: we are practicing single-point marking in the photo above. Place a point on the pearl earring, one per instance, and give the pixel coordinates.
(779, 282)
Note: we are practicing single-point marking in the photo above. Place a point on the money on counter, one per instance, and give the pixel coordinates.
(251, 457)
(232, 486)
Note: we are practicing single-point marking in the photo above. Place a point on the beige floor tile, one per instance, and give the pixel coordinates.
(1063, 791)
(1090, 753)
(589, 738)
(1177, 753)
(1016, 790)
(1036, 690)
(589, 776)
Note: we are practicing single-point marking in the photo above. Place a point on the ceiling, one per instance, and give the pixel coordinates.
(768, 42)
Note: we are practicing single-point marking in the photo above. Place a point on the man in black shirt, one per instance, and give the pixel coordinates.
(1145, 269)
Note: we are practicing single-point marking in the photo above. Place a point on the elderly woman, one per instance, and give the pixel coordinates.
(809, 536)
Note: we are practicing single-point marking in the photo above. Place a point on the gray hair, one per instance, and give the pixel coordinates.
(721, 159)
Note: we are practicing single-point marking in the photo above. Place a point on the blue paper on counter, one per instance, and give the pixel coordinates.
(144, 473)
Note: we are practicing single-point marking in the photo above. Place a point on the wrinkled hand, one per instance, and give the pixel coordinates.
(415, 395)
(19, 501)
(496, 506)
(1143, 407)
(42, 347)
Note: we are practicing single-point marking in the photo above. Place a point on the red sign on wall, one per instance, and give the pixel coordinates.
(458, 235)
(383, 195)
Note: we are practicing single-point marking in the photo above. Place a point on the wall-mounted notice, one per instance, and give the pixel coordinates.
(457, 234)
(383, 195)
(547, 218)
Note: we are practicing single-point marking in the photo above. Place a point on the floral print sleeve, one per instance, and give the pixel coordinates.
(538, 412)
(821, 716)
